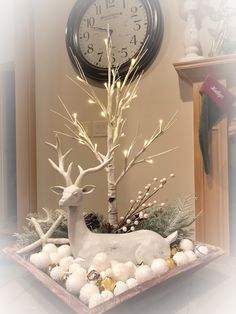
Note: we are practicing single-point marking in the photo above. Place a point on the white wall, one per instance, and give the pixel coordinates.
(159, 97)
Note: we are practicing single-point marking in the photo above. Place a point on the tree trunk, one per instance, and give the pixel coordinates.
(112, 207)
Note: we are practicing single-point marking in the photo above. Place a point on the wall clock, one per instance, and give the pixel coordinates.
(134, 24)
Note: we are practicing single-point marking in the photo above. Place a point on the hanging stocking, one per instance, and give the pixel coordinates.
(216, 101)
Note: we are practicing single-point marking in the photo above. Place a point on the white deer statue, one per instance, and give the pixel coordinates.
(138, 246)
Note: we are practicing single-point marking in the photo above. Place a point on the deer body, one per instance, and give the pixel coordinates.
(138, 246)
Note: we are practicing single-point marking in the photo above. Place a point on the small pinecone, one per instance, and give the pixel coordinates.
(106, 228)
(92, 221)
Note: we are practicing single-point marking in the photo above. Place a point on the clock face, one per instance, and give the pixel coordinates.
(134, 25)
(127, 20)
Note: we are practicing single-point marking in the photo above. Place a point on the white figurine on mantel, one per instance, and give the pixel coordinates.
(141, 246)
(190, 13)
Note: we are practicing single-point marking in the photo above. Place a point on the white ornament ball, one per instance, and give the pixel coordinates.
(103, 274)
(41, 260)
(191, 256)
(65, 262)
(131, 283)
(201, 250)
(180, 258)
(55, 258)
(120, 287)
(50, 248)
(81, 272)
(74, 267)
(74, 283)
(101, 261)
(186, 245)
(132, 268)
(113, 263)
(159, 266)
(34, 258)
(143, 273)
(57, 273)
(64, 250)
(121, 272)
(109, 272)
(95, 300)
(87, 291)
(107, 295)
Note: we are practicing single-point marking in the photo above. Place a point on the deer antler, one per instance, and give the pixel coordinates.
(61, 161)
(106, 160)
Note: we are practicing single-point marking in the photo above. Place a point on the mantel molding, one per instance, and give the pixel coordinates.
(194, 71)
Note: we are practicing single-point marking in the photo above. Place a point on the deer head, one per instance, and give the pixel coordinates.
(72, 193)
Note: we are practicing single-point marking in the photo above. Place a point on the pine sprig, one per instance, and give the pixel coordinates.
(169, 218)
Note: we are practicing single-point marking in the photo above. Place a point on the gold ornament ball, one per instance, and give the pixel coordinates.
(108, 283)
(170, 263)
(173, 251)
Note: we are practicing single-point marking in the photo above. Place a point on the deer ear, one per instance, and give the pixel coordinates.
(88, 189)
(172, 237)
(58, 189)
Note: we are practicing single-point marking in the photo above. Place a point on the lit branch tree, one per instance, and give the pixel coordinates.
(120, 95)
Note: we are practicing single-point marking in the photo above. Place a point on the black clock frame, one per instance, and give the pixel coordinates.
(155, 31)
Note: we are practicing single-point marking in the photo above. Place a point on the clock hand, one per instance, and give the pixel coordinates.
(113, 15)
(99, 28)
(103, 29)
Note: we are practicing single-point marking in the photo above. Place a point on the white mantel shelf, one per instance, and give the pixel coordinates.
(193, 71)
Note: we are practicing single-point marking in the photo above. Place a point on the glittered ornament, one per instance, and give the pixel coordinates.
(170, 263)
(87, 291)
(49, 248)
(95, 300)
(74, 283)
(186, 245)
(120, 287)
(143, 273)
(107, 283)
(159, 266)
(57, 273)
(64, 250)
